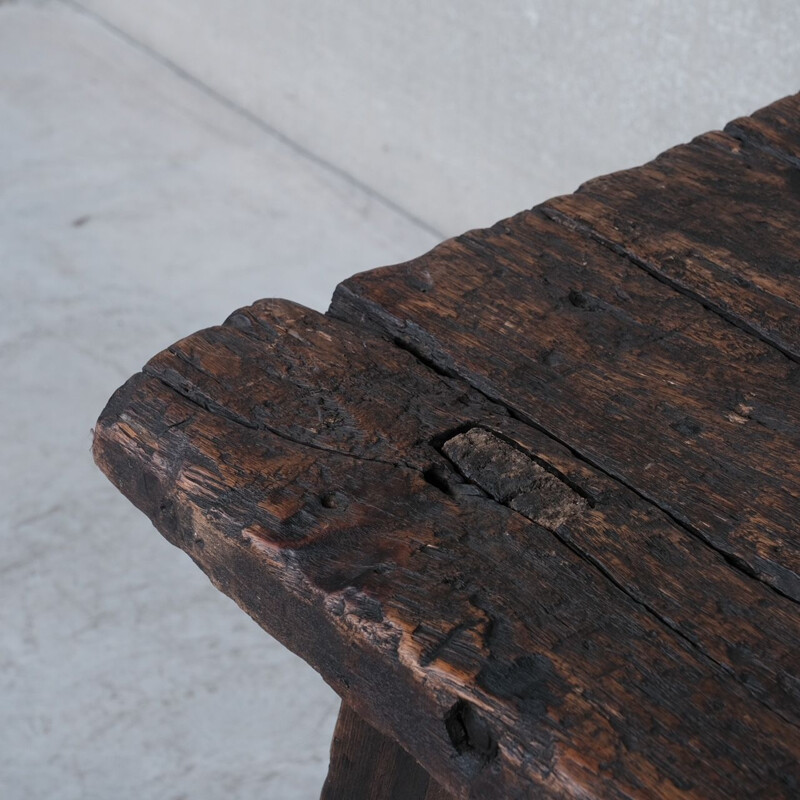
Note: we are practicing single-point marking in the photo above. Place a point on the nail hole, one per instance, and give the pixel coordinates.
(328, 500)
(469, 733)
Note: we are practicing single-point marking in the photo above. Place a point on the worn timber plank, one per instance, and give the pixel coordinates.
(645, 383)
(775, 129)
(366, 765)
(719, 218)
(299, 460)
(351, 392)
(529, 503)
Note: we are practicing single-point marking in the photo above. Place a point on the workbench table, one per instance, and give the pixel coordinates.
(529, 503)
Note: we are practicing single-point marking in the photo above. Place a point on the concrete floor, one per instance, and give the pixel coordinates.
(466, 111)
(134, 208)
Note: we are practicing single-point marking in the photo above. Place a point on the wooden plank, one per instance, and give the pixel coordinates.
(366, 765)
(342, 396)
(718, 218)
(641, 381)
(774, 129)
(327, 386)
(298, 460)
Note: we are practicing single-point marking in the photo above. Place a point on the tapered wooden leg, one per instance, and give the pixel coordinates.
(365, 765)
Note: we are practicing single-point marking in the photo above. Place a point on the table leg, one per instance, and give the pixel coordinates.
(365, 765)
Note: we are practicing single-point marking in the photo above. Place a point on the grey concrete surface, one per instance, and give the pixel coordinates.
(465, 111)
(134, 209)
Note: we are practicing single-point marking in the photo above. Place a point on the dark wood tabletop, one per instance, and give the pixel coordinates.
(529, 503)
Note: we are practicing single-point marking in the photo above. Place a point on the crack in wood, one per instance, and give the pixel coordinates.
(584, 229)
(514, 479)
(173, 381)
(359, 310)
(735, 130)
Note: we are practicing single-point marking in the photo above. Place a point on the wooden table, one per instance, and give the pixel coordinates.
(529, 503)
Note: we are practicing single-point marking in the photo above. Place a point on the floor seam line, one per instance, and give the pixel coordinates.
(253, 118)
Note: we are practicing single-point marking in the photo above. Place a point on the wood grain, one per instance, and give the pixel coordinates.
(366, 765)
(773, 129)
(718, 218)
(298, 460)
(648, 385)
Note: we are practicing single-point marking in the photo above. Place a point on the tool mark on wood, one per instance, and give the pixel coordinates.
(513, 478)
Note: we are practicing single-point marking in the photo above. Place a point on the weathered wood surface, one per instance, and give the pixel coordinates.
(689, 218)
(774, 129)
(688, 410)
(366, 765)
(529, 509)
(296, 459)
